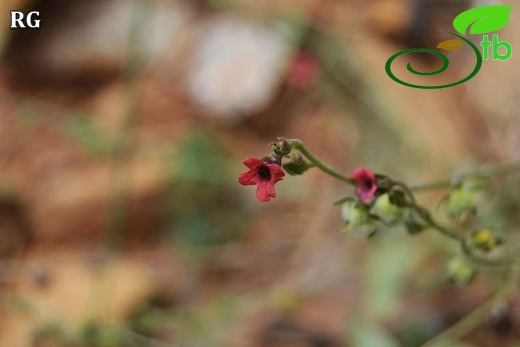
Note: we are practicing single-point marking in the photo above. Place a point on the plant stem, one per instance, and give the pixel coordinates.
(485, 171)
(421, 211)
(427, 217)
(319, 164)
(445, 183)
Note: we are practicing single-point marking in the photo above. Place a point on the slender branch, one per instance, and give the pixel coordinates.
(420, 210)
(428, 219)
(484, 171)
(445, 183)
(318, 163)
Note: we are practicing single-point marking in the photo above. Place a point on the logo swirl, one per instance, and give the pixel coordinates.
(445, 64)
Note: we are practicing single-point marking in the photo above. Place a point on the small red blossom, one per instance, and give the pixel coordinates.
(263, 175)
(303, 71)
(366, 183)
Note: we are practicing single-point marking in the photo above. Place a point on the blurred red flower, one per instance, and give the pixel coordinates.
(303, 71)
(263, 175)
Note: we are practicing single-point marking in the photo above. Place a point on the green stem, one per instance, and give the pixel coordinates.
(485, 171)
(297, 144)
(428, 219)
(421, 211)
(445, 183)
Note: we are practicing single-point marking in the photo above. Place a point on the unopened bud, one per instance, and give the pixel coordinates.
(461, 272)
(297, 158)
(461, 205)
(272, 158)
(412, 223)
(485, 240)
(354, 214)
(281, 147)
(385, 209)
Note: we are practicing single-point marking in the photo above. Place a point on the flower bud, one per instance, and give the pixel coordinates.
(461, 271)
(412, 223)
(475, 184)
(272, 158)
(358, 218)
(367, 229)
(281, 147)
(297, 165)
(485, 240)
(398, 198)
(460, 200)
(354, 213)
(461, 205)
(385, 209)
(297, 158)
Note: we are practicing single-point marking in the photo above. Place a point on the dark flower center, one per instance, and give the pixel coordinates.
(367, 183)
(264, 172)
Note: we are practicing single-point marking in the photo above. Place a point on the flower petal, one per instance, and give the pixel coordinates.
(366, 183)
(265, 191)
(253, 163)
(277, 173)
(365, 195)
(248, 178)
(361, 173)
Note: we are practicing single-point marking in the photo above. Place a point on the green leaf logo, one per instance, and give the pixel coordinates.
(485, 19)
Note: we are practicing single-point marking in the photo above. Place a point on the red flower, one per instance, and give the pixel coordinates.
(303, 71)
(263, 175)
(366, 183)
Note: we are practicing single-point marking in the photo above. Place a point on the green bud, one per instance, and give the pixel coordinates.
(461, 272)
(476, 184)
(461, 205)
(367, 228)
(485, 240)
(386, 210)
(354, 213)
(281, 147)
(412, 223)
(272, 158)
(294, 169)
(383, 183)
(297, 158)
(460, 200)
(398, 198)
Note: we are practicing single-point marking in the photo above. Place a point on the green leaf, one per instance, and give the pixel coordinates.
(294, 169)
(485, 19)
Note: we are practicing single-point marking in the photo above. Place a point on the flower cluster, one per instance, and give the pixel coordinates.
(381, 201)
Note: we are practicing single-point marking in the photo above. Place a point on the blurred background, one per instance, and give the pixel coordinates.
(123, 126)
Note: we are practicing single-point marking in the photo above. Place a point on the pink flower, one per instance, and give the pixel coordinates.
(366, 183)
(303, 71)
(263, 175)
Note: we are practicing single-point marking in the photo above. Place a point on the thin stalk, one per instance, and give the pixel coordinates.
(485, 171)
(432, 223)
(319, 164)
